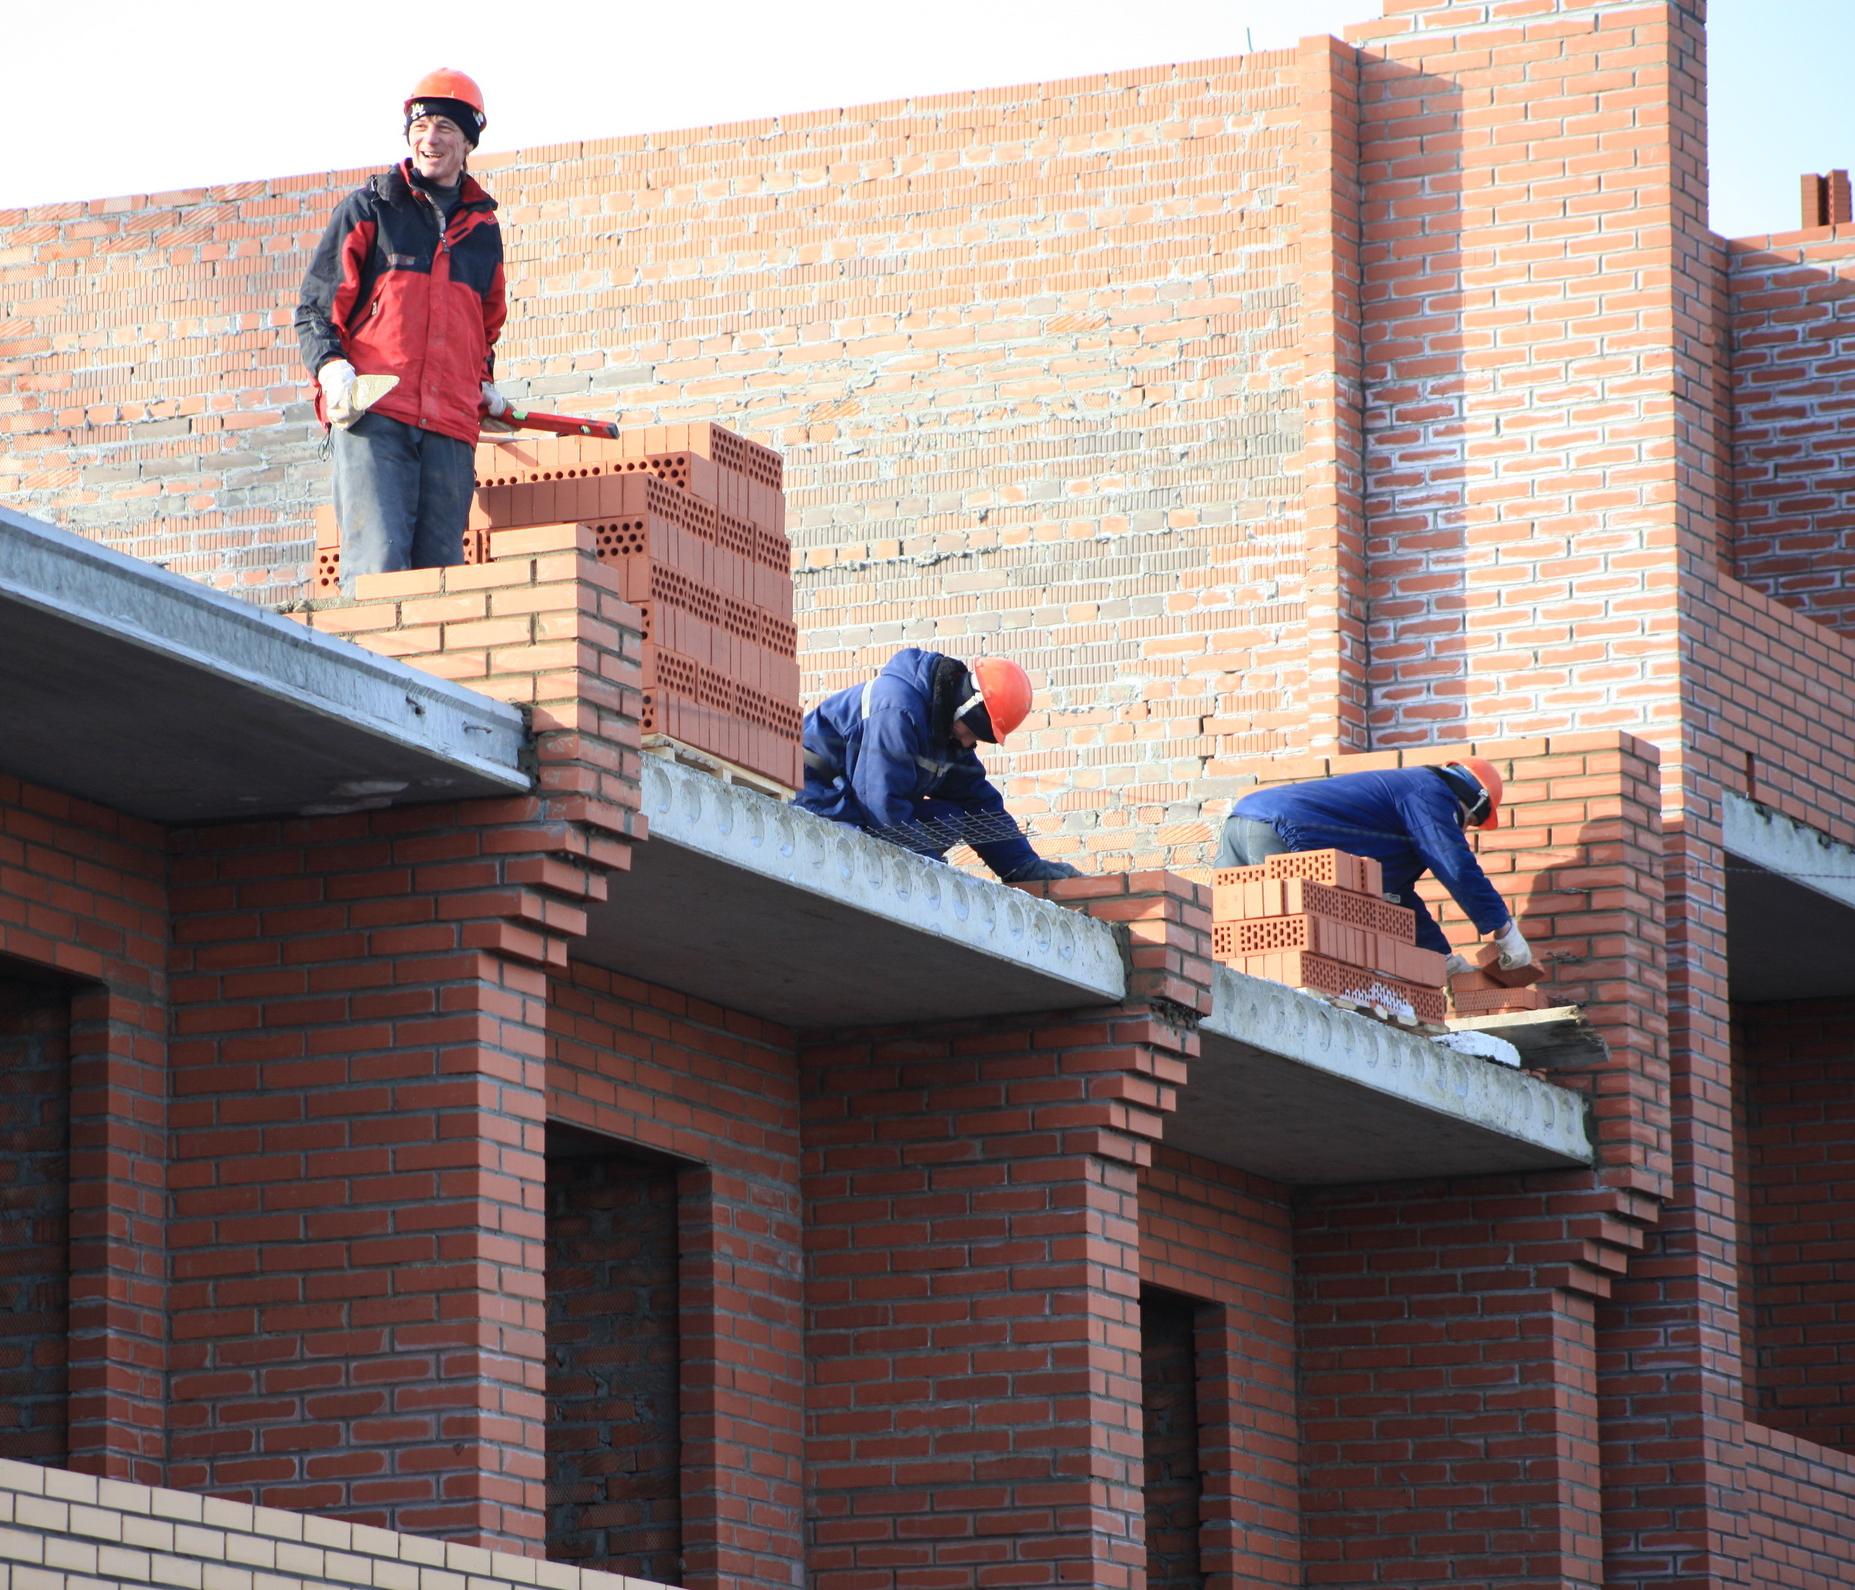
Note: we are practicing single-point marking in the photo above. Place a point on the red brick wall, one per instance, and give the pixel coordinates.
(613, 1413)
(1214, 1234)
(35, 1220)
(1518, 385)
(1793, 374)
(645, 1065)
(357, 1222)
(83, 894)
(1800, 1511)
(1799, 1060)
(974, 1409)
(1448, 1397)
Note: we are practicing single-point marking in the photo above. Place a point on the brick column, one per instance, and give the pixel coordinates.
(1448, 1388)
(973, 1298)
(1332, 440)
(118, 1250)
(743, 1382)
(360, 1009)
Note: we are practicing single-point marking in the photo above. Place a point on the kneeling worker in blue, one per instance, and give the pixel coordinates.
(1411, 820)
(895, 757)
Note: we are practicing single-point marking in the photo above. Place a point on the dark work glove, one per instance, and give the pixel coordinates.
(1037, 870)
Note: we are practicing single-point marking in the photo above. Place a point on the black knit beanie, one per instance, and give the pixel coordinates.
(469, 123)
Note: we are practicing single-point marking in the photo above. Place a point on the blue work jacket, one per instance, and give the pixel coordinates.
(1405, 818)
(871, 760)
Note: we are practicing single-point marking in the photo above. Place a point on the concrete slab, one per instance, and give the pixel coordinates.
(1790, 907)
(1303, 1093)
(1559, 1036)
(749, 902)
(147, 693)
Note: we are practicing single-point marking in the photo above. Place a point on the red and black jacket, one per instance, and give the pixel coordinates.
(390, 295)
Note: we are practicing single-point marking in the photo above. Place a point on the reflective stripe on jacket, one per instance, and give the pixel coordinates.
(1405, 818)
(391, 294)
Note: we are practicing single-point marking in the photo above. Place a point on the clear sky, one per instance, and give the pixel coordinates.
(106, 97)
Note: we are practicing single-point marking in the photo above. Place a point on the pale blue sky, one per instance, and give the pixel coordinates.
(110, 97)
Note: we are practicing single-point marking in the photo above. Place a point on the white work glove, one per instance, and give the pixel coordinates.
(1455, 965)
(494, 401)
(336, 378)
(1513, 947)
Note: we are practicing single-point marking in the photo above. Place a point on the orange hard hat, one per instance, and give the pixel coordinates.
(447, 83)
(1005, 689)
(1484, 773)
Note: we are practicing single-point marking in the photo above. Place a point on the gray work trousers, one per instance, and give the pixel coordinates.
(1246, 841)
(402, 496)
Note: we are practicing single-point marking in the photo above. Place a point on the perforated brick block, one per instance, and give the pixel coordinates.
(1337, 868)
(1332, 937)
(1320, 975)
(1238, 893)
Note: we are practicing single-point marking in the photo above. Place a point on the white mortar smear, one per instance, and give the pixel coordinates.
(1485, 1044)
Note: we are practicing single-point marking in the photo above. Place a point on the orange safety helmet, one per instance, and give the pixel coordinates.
(1483, 772)
(1005, 689)
(449, 83)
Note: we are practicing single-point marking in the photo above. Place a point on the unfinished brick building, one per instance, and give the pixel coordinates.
(428, 1114)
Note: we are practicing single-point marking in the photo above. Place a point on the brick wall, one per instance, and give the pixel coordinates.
(356, 1240)
(1793, 374)
(62, 1531)
(973, 1319)
(1799, 1265)
(1801, 1511)
(1448, 1397)
(1518, 394)
(35, 1219)
(1031, 354)
(644, 1065)
(83, 900)
(1223, 1238)
(613, 1416)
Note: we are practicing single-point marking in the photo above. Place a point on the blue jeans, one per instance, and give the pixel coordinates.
(402, 496)
(1247, 840)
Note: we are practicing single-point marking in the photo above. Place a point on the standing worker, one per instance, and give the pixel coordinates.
(1410, 820)
(895, 757)
(407, 282)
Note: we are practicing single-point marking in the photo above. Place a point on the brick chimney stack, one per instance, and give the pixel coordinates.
(1826, 199)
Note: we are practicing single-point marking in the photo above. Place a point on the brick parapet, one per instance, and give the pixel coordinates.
(544, 626)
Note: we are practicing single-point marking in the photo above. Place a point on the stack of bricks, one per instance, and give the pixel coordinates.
(1317, 920)
(693, 519)
(1487, 991)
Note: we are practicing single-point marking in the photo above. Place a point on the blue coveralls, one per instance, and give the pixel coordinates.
(1408, 819)
(870, 759)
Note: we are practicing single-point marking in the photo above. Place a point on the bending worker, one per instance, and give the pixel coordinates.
(1409, 819)
(407, 282)
(895, 757)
